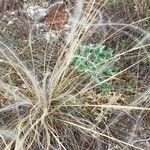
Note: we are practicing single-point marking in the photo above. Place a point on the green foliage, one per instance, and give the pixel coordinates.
(96, 61)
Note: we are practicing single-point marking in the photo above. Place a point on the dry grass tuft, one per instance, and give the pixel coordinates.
(45, 103)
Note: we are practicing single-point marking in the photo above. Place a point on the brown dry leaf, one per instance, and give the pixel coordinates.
(57, 17)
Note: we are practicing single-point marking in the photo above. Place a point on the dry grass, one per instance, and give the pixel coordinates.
(46, 104)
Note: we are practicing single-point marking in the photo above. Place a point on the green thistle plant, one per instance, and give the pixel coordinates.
(95, 60)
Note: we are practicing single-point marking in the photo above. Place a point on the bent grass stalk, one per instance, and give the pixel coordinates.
(47, 98)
